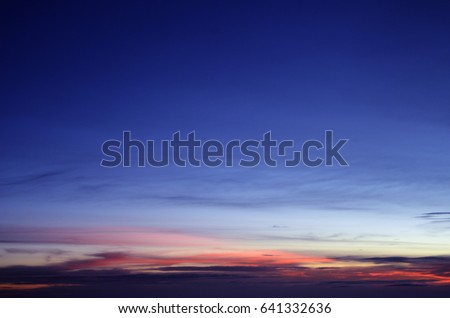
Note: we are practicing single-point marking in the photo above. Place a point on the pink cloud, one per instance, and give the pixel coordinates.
(234, 258)
(116, 236)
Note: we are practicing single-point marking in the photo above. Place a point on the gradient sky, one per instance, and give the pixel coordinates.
(76, 74)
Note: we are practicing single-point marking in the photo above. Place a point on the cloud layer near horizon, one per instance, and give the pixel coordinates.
(75, 260)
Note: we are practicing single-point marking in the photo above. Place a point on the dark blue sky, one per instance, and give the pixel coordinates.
(216, 64)
(75, 75)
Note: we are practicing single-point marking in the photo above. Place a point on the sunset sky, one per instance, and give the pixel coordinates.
(77, 74)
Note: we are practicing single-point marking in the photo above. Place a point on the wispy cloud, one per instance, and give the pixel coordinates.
(33, 178)
(34, 251)
(436, 217)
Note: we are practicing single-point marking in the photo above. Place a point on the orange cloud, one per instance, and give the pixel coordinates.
(233, 258)
(30, 286)
(415, 275)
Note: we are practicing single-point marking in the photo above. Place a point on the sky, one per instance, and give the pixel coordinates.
(75, 74)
